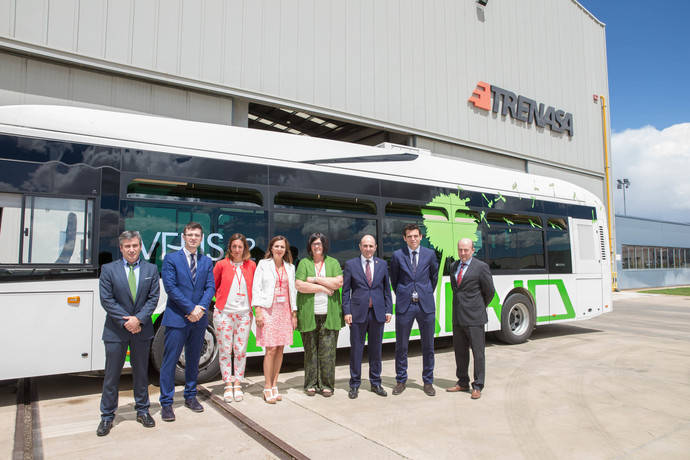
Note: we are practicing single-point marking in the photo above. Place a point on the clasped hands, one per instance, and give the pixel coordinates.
(196, 314)
(132, 324)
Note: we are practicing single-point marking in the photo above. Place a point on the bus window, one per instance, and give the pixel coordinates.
(558, 246)
(400, 214)
(161, 226)
(317, 202)
(190, 192)
(221, 211)
(515, 242)
(55, 230)
(252, 223)
(502, 249)
(10, 227)
(342, 232)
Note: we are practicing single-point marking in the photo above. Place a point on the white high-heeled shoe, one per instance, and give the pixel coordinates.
(268, 396)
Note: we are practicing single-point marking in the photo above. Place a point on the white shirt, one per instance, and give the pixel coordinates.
(189, 259)
(238, 300)
(136, 270)
(320, 298)
(412, 255)
(364, 265)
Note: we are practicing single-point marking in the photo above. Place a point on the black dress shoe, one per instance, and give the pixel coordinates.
(194, 405)
(104, 427)
(378, 389)
(352, 394)
(429, 389)
(146, 420)
(399, 388)
(167, 414)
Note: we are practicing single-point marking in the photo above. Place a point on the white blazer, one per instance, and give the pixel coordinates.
(264, 284)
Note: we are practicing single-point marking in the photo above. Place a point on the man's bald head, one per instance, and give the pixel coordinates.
(465, 249)
(367, 246)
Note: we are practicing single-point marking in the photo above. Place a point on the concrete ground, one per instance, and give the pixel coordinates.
(613, 387)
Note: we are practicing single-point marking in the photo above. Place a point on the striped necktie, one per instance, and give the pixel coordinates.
(192, 267)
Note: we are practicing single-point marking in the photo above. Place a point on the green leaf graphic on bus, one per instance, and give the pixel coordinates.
(448, 219)
(446, 222)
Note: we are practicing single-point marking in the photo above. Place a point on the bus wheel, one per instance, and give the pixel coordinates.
(209, 367)
(517, 319)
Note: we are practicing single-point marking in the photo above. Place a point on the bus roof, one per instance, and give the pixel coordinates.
(197, 138)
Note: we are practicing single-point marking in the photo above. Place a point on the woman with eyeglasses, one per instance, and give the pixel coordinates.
(319, 314)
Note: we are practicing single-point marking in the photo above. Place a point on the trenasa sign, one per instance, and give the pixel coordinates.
(521, 108)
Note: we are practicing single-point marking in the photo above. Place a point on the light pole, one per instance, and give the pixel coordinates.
(623, 184)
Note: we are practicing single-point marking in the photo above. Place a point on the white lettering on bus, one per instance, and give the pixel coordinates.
(214, 240)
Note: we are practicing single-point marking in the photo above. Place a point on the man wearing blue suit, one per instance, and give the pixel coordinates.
(188, 281)
(129, 291)
(414, 272)
(367, 306)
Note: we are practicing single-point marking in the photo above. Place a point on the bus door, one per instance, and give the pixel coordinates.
(562, 284)
(587, 268)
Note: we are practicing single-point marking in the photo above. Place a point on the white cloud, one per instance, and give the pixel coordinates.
(657, 163)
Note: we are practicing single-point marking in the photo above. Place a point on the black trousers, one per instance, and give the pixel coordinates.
(115, 353)
(464, 338)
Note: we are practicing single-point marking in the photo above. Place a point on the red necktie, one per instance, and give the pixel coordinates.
(370, 280)
(462, 266)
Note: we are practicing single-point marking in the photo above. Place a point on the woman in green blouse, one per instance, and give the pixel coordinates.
(319, 314)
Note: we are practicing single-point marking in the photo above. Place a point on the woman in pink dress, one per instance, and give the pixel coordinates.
(274, 298)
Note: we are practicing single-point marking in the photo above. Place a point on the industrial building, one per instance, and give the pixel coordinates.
(519, 85)
(652, 253)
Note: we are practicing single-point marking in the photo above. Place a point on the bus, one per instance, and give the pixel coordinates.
(72, 179)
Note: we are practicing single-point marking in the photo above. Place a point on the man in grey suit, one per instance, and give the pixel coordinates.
(473, 290)
(129, 291)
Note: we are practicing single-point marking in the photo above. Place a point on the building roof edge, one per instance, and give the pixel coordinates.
(588, 13)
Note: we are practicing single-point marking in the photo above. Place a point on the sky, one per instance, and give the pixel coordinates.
(648, 52)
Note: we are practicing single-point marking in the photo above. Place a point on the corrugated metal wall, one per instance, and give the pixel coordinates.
(406, 64)
(29, 81)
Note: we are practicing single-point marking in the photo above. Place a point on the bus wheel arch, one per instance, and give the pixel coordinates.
(518, 317)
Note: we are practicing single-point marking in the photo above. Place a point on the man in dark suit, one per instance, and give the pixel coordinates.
(129, 291)
(414, 272)
(367, 306)
(473, 289)
(188, 281)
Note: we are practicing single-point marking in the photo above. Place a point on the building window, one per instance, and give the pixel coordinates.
(654, 257)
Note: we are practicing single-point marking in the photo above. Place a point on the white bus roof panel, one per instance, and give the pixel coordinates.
(159, 133)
